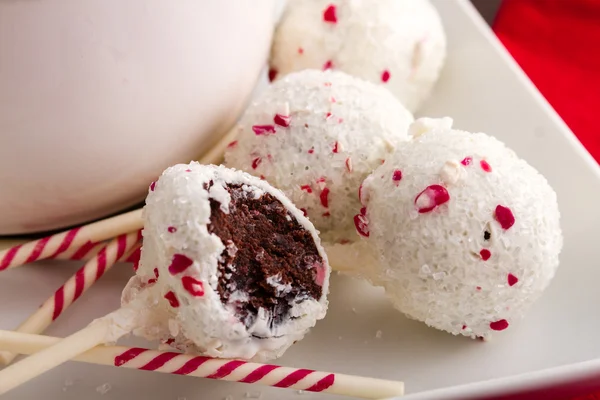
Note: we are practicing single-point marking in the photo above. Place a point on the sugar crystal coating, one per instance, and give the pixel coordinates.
(482, 257)
(396, 43)
(318, 161)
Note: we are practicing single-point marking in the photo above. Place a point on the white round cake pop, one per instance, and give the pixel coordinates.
(229, 268)
(316, 135)
(468, 233)
(399, 44)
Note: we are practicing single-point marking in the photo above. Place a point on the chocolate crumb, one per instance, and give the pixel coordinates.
(270, 243)
(487, 235)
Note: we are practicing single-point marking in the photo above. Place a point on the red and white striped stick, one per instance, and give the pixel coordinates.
(88, 252)
(73, 288)
(211, 368)
(81, 237)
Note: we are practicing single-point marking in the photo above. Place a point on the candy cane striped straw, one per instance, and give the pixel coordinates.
(54, 245)
(68, 293)
(204, 367)
(89, 251)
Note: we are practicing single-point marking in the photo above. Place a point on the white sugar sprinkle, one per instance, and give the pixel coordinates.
(104, 388)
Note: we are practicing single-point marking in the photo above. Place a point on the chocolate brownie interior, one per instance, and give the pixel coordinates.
(268, 244)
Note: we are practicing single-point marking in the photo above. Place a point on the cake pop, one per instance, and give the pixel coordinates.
(399, 44)
(316, 135)
(467, 233)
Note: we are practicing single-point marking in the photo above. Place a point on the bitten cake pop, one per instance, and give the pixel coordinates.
(229, 268)
(399, 44)
(468, 234)
(316, 135)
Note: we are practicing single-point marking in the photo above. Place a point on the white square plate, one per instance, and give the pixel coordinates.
(483, 90)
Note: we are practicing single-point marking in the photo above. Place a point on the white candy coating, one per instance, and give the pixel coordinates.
(340, 129)
(202, 323)
(433, 264)
(397, 43)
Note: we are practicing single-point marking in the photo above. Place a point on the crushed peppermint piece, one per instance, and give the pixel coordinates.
(362, 225)
(499, 325)
(349, 164)
(504, 216)
(282, 120)
(232, 144)
(397, 176)
(485, 254)
(172, 299)
(172, 229)
(256, 162)
(193, 286)
(272, 74)
(385, 76)
(152, 186)
(329, 15)
(485, 166)
(328, 65)
(311, 150)
(306, 188)
(431, 197)
(324, 196)
(467, 161)
(326, 214)
(300, 50)
(304, 211)
(263, 129)
(179, 263)
(512, 280)
(336, 147)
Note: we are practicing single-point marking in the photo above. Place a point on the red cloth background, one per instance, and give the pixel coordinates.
(557, 43)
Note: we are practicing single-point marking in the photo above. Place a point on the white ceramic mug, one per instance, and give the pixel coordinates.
(97, 97)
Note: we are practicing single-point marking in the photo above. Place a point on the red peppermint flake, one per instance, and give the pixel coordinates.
(363, 211)
(272, 74)
(504, 216)
(311, 150)
(327, 214)
(256, 162)
(282, 120)
(324, 196)
(188, 170)
(329, 15)
(193, 286)
(179, 263)
(304, 211)
(499, 325)
(172, 299)
(172, 229)
(336, 147)
(362, 225)
(153, 280)
(321, 183)
(467, 161)
(328, 65)
(328, 115)
(431, 197)
(485, 166)
(464, 327)
(397, 176)
(300, 50)
(478, 288)
(485, 254)
(263, 129)
(360, 188)
(232, 144)
(169, 341)
(152, 186)
(385, 76)
(332, 99)
(512, 280)
(262, 177)
(349, 164)
(306, 188)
